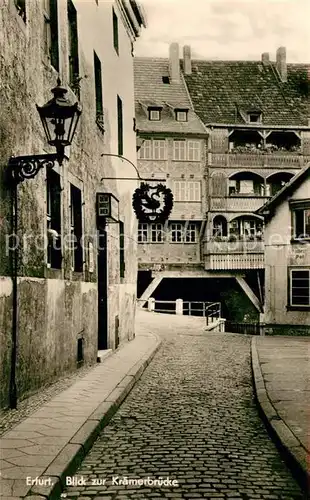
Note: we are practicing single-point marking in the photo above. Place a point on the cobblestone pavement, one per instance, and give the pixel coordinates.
(25, 408)
(192, 418)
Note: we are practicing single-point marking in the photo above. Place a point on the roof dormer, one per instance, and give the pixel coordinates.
(154, 113)
(181, 114)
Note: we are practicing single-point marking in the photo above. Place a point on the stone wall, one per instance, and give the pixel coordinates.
(57, 307)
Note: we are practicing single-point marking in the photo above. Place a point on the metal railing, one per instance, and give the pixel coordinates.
(253, 328)
(209, 310)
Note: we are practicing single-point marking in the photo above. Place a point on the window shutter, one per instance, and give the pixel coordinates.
(219, 141)
(219, 185)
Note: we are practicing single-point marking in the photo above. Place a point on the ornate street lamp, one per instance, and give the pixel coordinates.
(59, 118)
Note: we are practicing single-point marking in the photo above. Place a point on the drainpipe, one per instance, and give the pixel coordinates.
(14, 268)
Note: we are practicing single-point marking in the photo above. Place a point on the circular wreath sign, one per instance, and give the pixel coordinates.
(152, 203)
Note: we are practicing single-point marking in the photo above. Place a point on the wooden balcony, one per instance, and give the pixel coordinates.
(230, 255)
(254, 160)
(237, 203)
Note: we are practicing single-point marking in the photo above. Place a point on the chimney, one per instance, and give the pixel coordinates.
(187, 63)
(265, 58)
(174, 63)
(281, 63)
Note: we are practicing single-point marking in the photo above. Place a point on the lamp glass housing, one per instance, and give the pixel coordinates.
(59, 118)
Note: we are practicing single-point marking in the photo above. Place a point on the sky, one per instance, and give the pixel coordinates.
(227, 29)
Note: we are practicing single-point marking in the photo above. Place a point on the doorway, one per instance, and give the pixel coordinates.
(102, 289)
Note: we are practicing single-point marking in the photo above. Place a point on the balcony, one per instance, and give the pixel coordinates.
(238, 203)
(234, 255)
(252, 160)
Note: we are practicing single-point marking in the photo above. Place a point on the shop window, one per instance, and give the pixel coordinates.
(120, 131)
(115, 31)
(121, 250)
(53, 217)
(299, 288)
(98, 92)
(73, 49)
(76, 229)
(301, 220)
(51, 45)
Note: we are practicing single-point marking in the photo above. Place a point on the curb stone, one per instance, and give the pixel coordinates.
(293, 452)
(71, 457)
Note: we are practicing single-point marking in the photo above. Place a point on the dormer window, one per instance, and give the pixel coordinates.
(181, 115)
(254, 117)
(154, 114)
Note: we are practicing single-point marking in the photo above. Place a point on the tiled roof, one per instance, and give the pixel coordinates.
(151, 91)
(219, 90)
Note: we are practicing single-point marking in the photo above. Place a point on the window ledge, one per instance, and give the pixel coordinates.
(300, 241)
(77, 276)
(53, 273)
(298, 308)
(100, 124)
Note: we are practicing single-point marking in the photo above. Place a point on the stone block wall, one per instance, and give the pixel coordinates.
(57, 307)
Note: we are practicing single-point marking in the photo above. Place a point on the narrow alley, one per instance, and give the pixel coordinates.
(192, 419)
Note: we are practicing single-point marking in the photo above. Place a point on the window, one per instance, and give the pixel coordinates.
(53, 217)
(121, 250)
(181, 115)
(186, 150)
(159, 149)
(255, 117)
(120, 125)
(182, 232)
(51, 32)
(191, 233)
(98, 91)
(153, 149)
(302, 223)
(157, 233)
(176, 232)
(299, 295)
(187, 191)
(142, 232)
(193, 150)
(21, 8)
(219, 228)
(76, 229)
(115, 31)
(245, 186)
(73, 49)
(151, 233)
(154, 114)
(166, 79)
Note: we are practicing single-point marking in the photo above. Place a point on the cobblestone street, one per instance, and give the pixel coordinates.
(192, 418)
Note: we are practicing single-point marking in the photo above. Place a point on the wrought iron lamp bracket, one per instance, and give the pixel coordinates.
(22, 168)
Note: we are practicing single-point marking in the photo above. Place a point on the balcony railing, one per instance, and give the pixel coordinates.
(238, 203)
(237, 254)
(289, 160)
(234, 246)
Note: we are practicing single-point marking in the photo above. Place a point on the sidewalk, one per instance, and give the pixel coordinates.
(281, 372)
(51, 443)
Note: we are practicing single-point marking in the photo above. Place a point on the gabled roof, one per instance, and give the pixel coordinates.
(149, 88)
(267, 210)
(218, 89)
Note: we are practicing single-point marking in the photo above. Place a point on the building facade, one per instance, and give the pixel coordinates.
(287, 258)
(256, 118)
(172, 151)
(73, 299)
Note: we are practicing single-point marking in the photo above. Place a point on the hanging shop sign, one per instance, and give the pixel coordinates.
(152, 203)
(107, 207)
